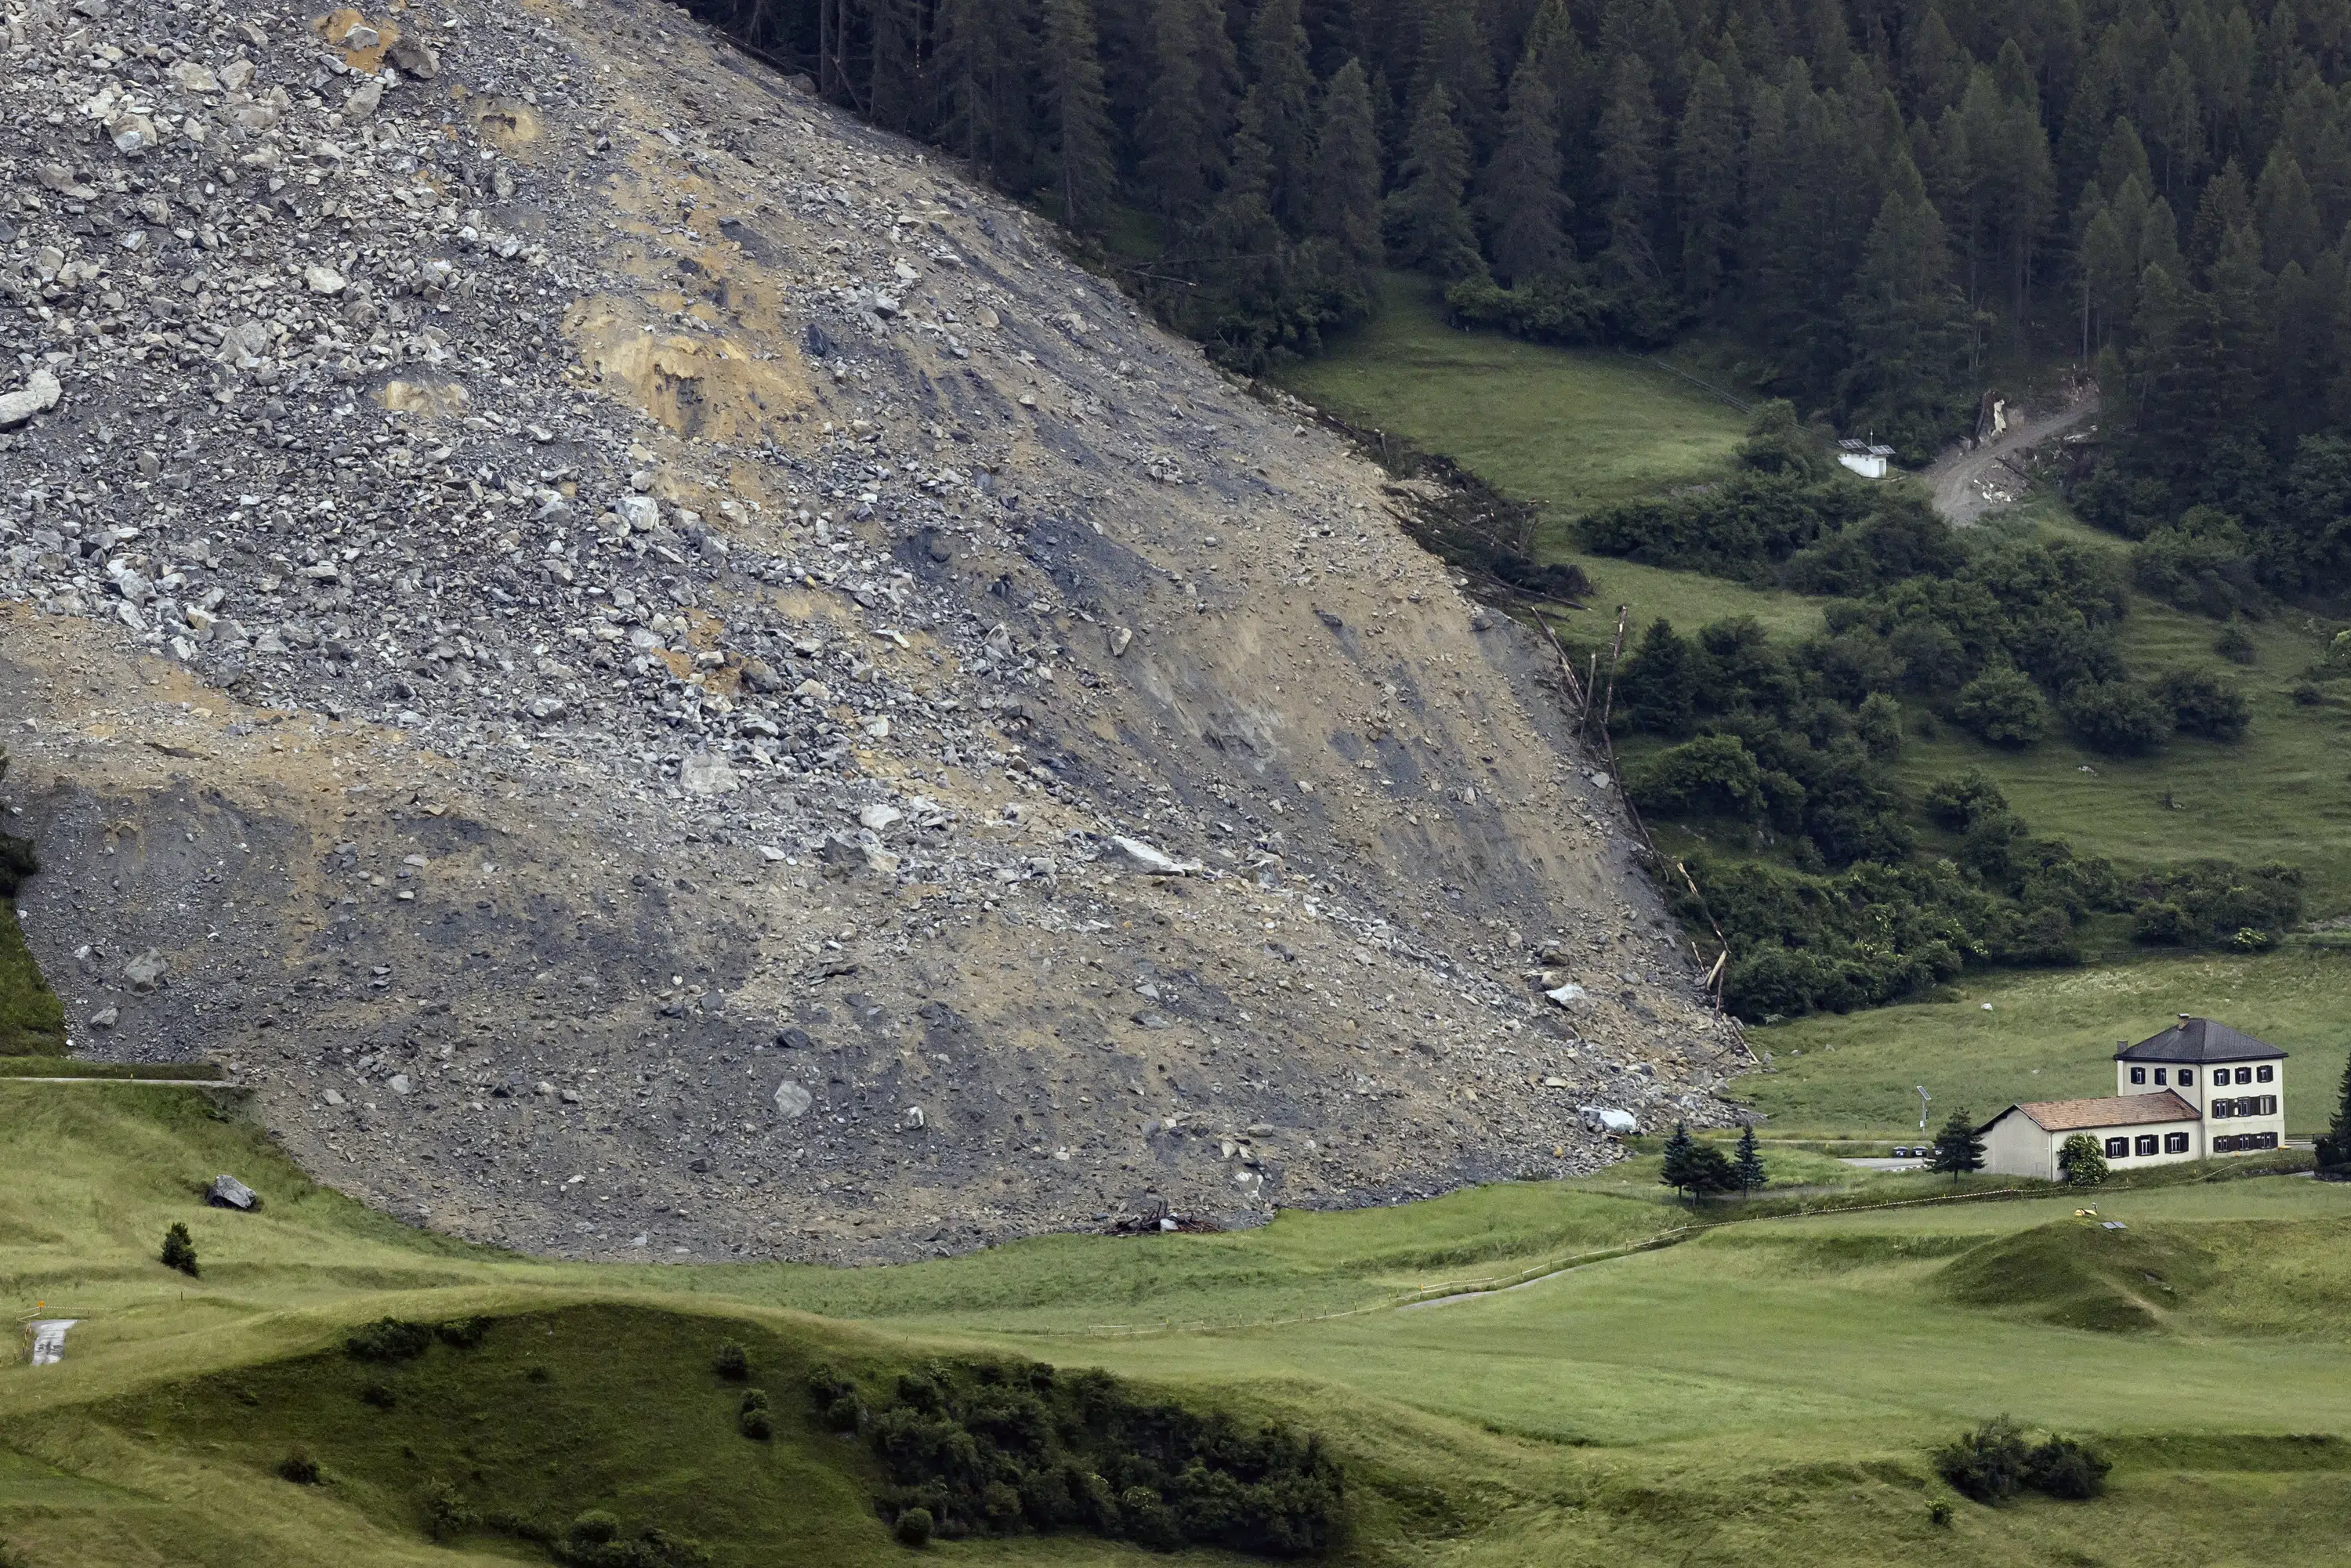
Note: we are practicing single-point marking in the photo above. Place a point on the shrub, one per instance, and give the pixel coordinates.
(913, 1527)
(299, 1468)
(464, 1333)
(1878, 722)
(2002, 707)
(594, 1528)
(2121, 718)
(2307, 693)
(180, 1249)
(390, 1339)
(2235, 645)
(731, 1362)
(836, 1398)
(2082, 1160)
(2202, 705)
(1713, 775)
(2063, 1468)
(1957, 802)
(379, 1394)
(2161, 923)
(1987, 1464)
(752, 1419)
(2203, 562)
(446, 1512)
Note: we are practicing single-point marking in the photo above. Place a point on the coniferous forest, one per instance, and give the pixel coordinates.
(1877, 199)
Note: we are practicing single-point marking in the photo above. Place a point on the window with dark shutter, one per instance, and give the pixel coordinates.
(2175, 1143)
(2139, 1075)
(2187, 1077)
(2266, 1074)
(2148, 1144)
(2117, 1148)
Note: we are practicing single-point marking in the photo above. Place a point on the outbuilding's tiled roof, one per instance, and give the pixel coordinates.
(2200, 1040)
(2112, 1110)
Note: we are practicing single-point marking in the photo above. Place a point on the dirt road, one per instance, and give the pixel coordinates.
(1960, 477)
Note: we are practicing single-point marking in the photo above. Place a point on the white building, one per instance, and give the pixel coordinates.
(1869, 461)
(2196, 1090)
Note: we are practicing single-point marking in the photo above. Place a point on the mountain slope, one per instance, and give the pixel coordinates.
(604, 623)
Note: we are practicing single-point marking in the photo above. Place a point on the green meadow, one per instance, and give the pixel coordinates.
(1740, 1382)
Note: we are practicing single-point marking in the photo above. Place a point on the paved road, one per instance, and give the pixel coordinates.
(1884, 1164)
(1956, 476)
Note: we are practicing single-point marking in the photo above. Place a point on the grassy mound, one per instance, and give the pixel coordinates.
(2075, 1273)
(548, 1417)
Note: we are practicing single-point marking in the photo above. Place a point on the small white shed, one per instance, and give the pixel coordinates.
(1866, 460)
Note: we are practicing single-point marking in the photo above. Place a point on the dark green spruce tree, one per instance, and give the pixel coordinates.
(1706, 170)
(1075, 150)
(1748, 1163)
(1957, 1148)
(1282, 82)
(2334, 1145)
(1344, 254)
(1524, 209)
(1909, 324)
(1428, 225)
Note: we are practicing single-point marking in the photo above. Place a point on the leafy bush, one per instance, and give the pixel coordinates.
(836, 1398)
(1713, 775)
(299, 1468)
(999, 1447)
(1959, 802)
(594, 1540)
(913, 1527)
(2002, 707)
(752, 1419)
(2062, 1468)
(1993, 1463)
(180, 1249)
(2202, 705)
(2235, 645)
(379, 1394)
(446, 1512)
(2082, 1160)
(464, 1333)
(2121, 718)
(731, 1362)
(2215, 900)
(390, 1339)
(2203, 562)
(1987, 1464)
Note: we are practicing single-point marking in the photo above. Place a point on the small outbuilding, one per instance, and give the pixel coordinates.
(1867, 460)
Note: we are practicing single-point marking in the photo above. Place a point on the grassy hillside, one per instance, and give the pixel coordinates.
(1572, 430)
(2048, 1035)
(32, 1019)
(1766, 1392)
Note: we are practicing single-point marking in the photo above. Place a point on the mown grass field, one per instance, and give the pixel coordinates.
(1766, 1392)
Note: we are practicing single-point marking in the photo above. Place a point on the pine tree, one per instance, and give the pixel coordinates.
(1076, 151)
(1706, 174)
(180, 1249)
(1283, 84)
(1455, 56)
(1748, 1164)
(2335, 1144)
(1188, 116)
(1958, 1149)
(2287, 214)
(1628, 168)
(1675, 1169)
(987, 52)
(1426, 224)
(1346, 180)
(1910, 345)
(1524, 208)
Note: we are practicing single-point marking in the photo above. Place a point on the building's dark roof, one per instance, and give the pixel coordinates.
(2114, 1111)
(2200, 1040)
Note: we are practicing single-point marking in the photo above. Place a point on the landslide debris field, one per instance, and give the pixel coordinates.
(591, 627)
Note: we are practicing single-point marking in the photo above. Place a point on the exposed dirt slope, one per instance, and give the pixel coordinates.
(604, 623)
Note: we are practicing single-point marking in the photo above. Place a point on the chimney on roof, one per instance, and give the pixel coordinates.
(2185, 1019)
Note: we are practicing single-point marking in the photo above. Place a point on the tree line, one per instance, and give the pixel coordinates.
(1877, 198)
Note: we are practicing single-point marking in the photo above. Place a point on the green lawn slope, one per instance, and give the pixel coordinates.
(1765, 1391)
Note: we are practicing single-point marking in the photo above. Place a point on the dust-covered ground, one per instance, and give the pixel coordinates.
(657, 672)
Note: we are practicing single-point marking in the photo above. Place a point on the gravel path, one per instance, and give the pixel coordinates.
(1960, 477)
